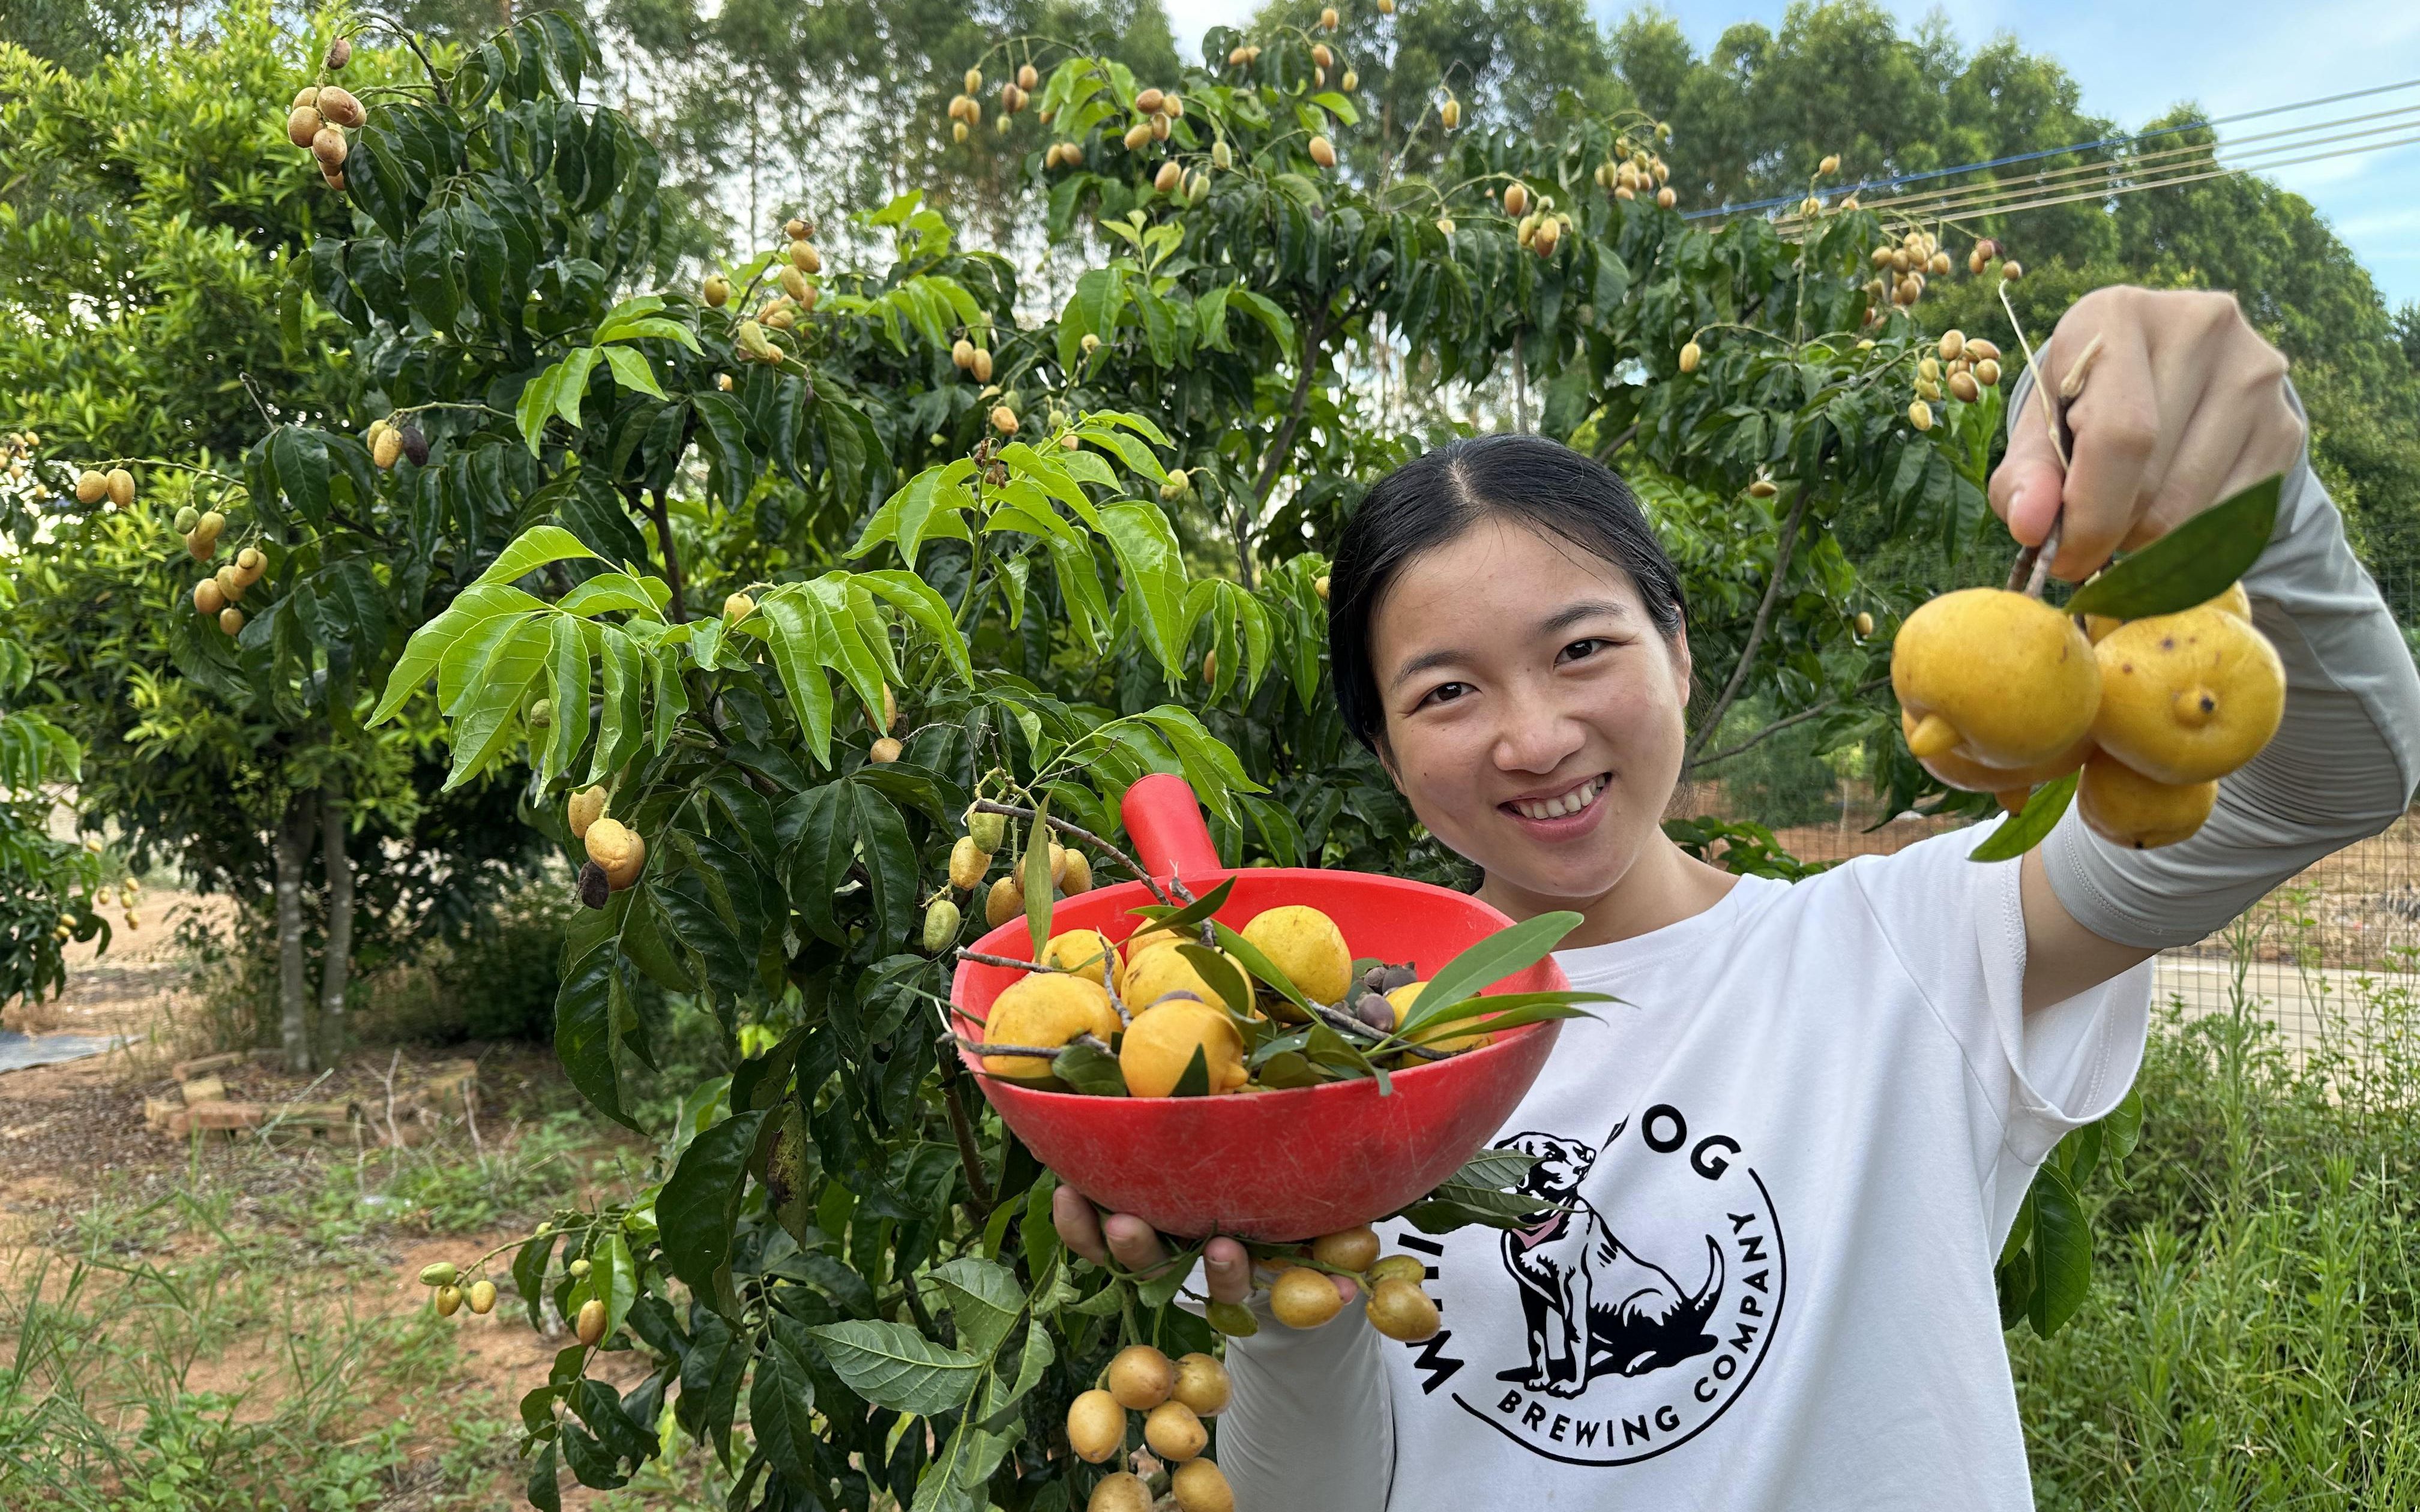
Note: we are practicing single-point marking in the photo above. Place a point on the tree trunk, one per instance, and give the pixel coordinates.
(293, 854)
(336, 966)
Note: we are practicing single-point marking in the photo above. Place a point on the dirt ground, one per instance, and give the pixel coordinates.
(74, 1130)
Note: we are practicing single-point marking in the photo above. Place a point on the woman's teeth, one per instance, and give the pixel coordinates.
(1569, 803)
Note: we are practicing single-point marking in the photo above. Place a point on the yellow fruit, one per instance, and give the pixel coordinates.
(1667, 197)
(483, 1297)
(1028, 78)
(91, 488)
(1919, 414)
(1987, 372)
(121, 487)
(1306, 945)
(1830, 165)
(1963, 388)
(1155, 973)
(884, 751)
(1994, 676)
(303, 125)
(1865, 623)
(1003, 420)
(1516, 199)
(1141, 1378)
(1136, 135)
(717, 290)
(981, 366)
(209, 598)
(1122, 1492)
(2124, 805)
(1153, 937)
(592, 1322)
(231, 620)
(1399, 1267)
(328, 144)
(1198, 1484)
(1005, 900)
(967, 864)
(1161, 1042)
(1323, 151)
(1400, 1310)
(2187, 697)
(1169, 178)
(340, 106)
(2011, 273)
(1045, 1009)
(1077, 875)
(1085, 953)
(1201, 1384)
(1318, 586)
(805, 258)
(449, 1301)
(2234, 601)
(1348, 1249)
(1970, 776)
(617, 850)
(1450, 114)
(1096, 1427)
(1304, 1298)
(1690, 357)
(1329, 18)
(588, 806)
(1175, 1433)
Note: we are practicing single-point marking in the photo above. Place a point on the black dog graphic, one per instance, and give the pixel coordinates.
(1593, 1307)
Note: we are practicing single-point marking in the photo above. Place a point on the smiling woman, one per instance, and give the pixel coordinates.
(1806, 1131)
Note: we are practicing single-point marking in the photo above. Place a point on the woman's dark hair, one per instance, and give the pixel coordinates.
(1434, 498)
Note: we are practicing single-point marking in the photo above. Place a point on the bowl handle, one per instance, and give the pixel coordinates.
(1164, 820)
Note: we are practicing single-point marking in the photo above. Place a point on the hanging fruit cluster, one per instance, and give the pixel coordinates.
(1175, 1397)
(1635, 170)
(322, 113)
(796, 274)
(448, 1294)
(616, 854)
(965, 111)
(388, 443)
(1960, 370)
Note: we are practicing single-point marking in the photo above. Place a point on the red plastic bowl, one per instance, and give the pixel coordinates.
(1273, 1166)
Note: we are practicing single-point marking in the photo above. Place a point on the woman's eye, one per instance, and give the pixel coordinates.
(1579, 649)
(1443, 693)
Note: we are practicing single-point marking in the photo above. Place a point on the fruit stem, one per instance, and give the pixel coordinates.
(2032, 567)
(987, 806)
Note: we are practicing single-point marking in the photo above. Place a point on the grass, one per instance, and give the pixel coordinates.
(2253, 1338)
(240, 1340)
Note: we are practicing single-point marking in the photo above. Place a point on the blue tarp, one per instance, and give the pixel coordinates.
(18, 1051)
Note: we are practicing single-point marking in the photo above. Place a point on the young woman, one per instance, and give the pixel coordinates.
(1774, 1179)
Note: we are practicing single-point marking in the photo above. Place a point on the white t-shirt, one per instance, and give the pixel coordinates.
(1793, 1152)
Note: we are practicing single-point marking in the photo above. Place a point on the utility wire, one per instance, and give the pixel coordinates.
(1931, 173)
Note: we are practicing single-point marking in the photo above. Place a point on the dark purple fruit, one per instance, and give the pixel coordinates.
(594, 888)
(415, 446)
(1374, 1010)
(1403, 976)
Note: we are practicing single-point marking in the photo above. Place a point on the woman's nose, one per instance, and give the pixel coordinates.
(1535, 735)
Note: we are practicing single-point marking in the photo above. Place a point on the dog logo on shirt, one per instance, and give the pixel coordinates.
(1592, 1305)
(1627, 1312)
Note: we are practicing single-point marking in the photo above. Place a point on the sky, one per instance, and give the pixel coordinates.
(2136, 58)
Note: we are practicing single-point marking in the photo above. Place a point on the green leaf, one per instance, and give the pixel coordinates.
(2031, 826)
(2123, 1124)
(1195, 1080)
(893, 1365)
(532, 549)
(572, 386)
(2192, 564)
(985, 1301)
(542, 1490)
(1092, 1072)
(1224, 979)
(631, 370)
(1192, 913)
(1038, 899)
(567, 692)
(1487, 963)
(536, 406)
(782, 1399)
(2062, 1247)
(699, 1206)
(1263, 970)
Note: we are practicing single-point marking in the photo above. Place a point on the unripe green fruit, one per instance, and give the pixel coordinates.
(187, 519)
(440, 1275)
(940, 925)
(449, 1301)
(578, 1268)
(989, 830)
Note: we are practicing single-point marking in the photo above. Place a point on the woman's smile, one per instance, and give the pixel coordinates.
(1561, 812)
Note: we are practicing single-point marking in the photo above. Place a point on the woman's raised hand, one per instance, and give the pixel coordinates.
(2183, 405)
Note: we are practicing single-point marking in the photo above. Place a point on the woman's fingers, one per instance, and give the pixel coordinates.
(2116, 422)
(1133, 1243)
(1079, 1224)
(1228, 1268)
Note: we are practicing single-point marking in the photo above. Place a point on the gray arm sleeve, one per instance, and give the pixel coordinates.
(2342, 766)
(1310, 1423)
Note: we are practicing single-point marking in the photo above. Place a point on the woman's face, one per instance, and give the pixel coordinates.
(1533, 710)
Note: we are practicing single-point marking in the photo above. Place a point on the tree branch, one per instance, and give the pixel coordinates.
(1605, 453)
(1314, 335)
(661, 514)
(979, 1194)
(1787, 543)
(1133, 866)
(1779, 725)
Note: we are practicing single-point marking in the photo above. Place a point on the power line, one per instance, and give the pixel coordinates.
(1930, 174)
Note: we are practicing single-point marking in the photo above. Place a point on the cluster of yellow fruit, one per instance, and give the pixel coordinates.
(116, 485)
(1999, 691)
(449, 1296)
(796, 274)
(1902, 268)
(321, 114)
(1178, 1014)
(970, 861)
(1541, 229)
(1962, 369)
(972, 360)
(1634, 171)
(1174, 1395)
(966, 112)
(390, 443)
(18, 448)
(130, 894)
(616, 852)
(217, 595)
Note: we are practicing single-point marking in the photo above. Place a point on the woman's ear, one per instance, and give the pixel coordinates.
(1386, 758)
(1681, 665)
